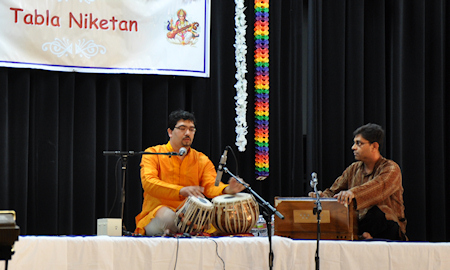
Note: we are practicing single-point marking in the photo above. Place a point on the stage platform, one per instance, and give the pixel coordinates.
(105, 252)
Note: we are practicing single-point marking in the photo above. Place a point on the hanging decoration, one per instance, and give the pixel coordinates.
(261, 34)
(240, 48)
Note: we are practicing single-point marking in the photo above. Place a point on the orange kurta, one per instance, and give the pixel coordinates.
(163, 176)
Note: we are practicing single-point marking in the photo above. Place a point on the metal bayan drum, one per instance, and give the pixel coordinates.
(194, 215)
(235, 213)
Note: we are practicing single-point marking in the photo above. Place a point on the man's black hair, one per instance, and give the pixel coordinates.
(178, 115)
(371, 132)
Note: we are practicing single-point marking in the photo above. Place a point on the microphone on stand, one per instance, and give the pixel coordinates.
(120, 153)
(316, 211)
(182, 151)
(313, 180)
(222, 163)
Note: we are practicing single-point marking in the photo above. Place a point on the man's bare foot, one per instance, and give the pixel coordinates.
(366, 235)
(168, 232)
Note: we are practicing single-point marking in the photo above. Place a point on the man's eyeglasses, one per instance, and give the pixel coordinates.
(360, 143)
(184, 128)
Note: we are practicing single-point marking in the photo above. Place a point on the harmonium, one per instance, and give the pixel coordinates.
(337, 221)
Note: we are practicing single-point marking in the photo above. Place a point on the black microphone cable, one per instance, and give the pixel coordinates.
(116, 182)
(235, 159)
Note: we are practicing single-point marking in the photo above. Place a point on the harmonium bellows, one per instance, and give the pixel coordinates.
(337, 221)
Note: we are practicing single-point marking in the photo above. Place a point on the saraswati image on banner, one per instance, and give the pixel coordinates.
(182, 32)
(107, 36)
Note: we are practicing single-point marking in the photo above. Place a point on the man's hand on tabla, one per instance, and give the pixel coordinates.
(234, 186)
(195, 191)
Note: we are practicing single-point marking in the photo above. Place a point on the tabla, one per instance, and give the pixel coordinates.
(194, 215)
(235, 213)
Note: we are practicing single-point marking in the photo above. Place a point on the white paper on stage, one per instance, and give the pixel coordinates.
(107, 36)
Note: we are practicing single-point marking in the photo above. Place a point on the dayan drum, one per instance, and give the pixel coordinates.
(235, 213)
(194, 215)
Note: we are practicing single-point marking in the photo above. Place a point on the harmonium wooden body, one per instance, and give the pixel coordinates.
(337, 221)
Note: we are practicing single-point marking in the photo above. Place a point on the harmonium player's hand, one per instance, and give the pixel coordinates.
(312, 194)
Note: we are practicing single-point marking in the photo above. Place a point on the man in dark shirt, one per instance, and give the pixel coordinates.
(375, 183)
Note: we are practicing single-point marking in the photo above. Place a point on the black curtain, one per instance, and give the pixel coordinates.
(334, 65)
(384, 62)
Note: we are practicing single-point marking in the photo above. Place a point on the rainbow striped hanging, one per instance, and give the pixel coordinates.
(261, 89)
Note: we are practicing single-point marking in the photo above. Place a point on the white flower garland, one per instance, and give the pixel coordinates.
(241, 69)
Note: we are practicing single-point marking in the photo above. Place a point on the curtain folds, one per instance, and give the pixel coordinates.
(334, 65)
(383, 62)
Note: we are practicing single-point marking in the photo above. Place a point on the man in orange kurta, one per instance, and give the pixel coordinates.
(167, 181)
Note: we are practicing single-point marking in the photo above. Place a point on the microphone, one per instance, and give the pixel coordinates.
(222, 163)
(119, 153)
(182, 151)
(313, 179)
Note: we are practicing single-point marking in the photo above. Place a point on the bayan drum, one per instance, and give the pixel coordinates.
(194, 215)
(235, 213)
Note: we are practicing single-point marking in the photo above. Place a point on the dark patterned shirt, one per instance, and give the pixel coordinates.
(383, 188)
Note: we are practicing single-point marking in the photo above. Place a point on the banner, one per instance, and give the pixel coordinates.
(107, 36)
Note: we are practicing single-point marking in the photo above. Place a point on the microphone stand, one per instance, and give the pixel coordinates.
(124, 157)
(317, 210)
(268, 211)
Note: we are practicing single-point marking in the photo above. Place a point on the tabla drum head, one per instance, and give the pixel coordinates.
(201, 201)
(231, 198)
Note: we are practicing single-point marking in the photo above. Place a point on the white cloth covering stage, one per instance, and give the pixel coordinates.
(105, 252)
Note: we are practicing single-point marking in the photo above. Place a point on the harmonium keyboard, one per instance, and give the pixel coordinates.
(337, 221)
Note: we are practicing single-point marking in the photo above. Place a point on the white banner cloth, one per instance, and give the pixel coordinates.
(107, 36)
(231, 253)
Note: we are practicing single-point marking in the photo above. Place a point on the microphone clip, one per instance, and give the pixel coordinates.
(313, 183)
(222, 164)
